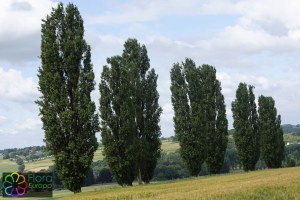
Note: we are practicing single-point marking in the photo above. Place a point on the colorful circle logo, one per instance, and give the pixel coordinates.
(14, 185)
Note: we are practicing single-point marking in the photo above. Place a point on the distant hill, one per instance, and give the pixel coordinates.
(289, 128)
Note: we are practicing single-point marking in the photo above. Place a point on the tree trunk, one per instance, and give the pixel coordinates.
(140, 176)
(77, 190)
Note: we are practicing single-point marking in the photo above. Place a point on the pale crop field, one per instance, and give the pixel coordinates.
(281, 184)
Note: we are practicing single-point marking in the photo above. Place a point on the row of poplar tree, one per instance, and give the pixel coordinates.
(129, 109)
(201, 125)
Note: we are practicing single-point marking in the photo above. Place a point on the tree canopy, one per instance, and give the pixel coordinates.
(246, 135)
(130, 114)
(66, 80)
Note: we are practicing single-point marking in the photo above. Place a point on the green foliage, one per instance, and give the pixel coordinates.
(231, 155)
(130, 114)
(102, 172)
(290, 162)
(246, 133)
(21, 168)
(170, 166)
(188, 118)
(293, 152)
(66, 80)
(89, 179)
(272, 144)
(19, 161)
(216, 123)
(117, 128)
(200, 116)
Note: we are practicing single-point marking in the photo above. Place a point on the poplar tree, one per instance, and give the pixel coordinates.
(200, 116)
(117, 121)
(272, 144)
(216, 124)
(66, 80)
(188, 118)
(130, 115)
(245, 123)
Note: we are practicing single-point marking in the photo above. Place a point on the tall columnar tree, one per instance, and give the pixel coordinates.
(200, 116)
(272, 144)
(216, 124)
(188, 118)
(149, 130)
(117, 124)
(130, 115)
(66, 80)
(245, 123)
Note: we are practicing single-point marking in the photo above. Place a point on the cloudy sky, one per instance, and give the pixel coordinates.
(252, 41)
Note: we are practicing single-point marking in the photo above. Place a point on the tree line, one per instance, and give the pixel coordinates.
(130, 113)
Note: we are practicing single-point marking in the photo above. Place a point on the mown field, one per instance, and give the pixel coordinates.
(281, 184)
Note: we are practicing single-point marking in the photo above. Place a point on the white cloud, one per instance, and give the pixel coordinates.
(22, 17)
(15, 87)
(168, 113)
(283, 90)
(29, 124)
(20, 28)
(260, 27)
(143, 11)
(2, 119)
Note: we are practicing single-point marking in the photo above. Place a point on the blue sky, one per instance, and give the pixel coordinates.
(252, 41)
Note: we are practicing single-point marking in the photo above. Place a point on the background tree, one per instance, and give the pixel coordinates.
(130, 114)
(246, 135)
(66, 80)
(19, 160)
(21, 168)
(216, 124)
(272, 144)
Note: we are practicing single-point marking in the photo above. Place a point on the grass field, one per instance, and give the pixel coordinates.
(38, 165)
(98, 154)
(169, 146)
(7, 165)
(281, 184)
(291, 138)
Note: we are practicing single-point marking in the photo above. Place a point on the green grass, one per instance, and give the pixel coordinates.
(40, 164)
(98, 154)
(7, 165)
(283, 184)
(291, 138)
(169, 146)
